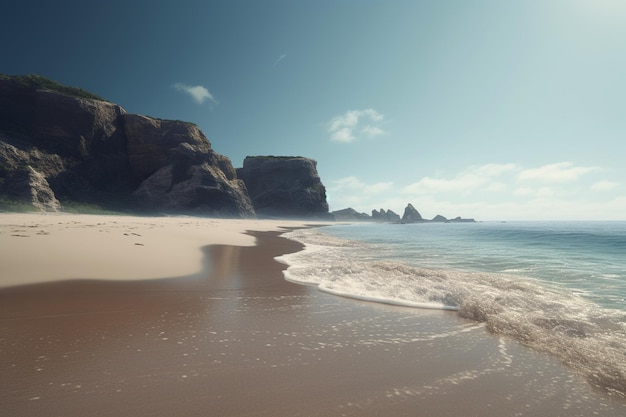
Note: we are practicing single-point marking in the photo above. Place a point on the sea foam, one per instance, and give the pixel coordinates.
(547, 318)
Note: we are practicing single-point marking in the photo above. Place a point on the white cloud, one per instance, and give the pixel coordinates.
(604, 185)
(342, 135)
(354, 184)
(493, 170)
(352, 192)
(523, 191)
(545, 192)
(555, 173)
(372, 131)
(199, 93)
(342, 128)
(474, 177)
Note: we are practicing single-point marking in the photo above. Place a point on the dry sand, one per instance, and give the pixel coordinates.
(49, 247)
(238, 340)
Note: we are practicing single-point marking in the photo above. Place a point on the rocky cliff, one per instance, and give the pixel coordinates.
(284, 186)
(60, 143)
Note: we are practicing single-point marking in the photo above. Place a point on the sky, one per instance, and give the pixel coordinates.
(490, 109)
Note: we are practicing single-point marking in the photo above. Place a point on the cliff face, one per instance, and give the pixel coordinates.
(91, 151)
(284, 186)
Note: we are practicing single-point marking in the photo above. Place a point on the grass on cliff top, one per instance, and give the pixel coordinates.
(39, 81)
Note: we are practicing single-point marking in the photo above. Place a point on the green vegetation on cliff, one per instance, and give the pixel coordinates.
(39, 81)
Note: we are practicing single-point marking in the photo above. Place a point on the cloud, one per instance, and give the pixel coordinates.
(372, 131)
(604, 185)
(511, 191)
(354, 184)
(555, 173)
(342, 128)
(280, 58)
(352, 192)
(199, 93)
(474, 177)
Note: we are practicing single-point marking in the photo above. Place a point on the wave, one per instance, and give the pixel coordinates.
(546, 318)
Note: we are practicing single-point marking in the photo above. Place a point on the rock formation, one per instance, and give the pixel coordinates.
(349, 214)
(284, 186)
(385, 216)
(462, 220)
(392, 216)
(91, 151)
(31, 187)
(411, 215)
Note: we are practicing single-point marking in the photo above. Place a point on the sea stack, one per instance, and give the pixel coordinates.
(411, 215)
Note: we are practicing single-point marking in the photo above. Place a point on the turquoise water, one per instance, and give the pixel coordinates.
(557, 287)
(589, 258)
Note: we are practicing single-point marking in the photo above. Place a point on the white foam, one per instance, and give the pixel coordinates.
(547, 318)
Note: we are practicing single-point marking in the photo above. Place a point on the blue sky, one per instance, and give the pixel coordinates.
(497, 110)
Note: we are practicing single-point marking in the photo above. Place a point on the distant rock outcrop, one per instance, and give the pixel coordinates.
(411, 215)
(385, 216)
(91, 151)
(284, 186)
(461, 220)
(349, 214)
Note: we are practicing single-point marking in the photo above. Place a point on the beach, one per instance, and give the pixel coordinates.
(145, 316)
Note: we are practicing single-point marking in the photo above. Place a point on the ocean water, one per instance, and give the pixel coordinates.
(556, 287)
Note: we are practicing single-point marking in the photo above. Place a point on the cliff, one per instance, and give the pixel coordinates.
(61, 143)
(284, 186)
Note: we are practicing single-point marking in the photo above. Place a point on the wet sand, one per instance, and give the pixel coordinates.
(238, 340)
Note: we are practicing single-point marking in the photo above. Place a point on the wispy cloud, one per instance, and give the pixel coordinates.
(280, 58)
(354, 184)
(352, 192)
(483, 176)
(555, 173)
(346, 127)
(604, 185)
(199, 93)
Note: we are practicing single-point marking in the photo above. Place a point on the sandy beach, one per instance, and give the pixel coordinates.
(182, 316)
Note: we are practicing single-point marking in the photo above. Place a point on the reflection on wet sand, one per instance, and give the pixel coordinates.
(240, 340)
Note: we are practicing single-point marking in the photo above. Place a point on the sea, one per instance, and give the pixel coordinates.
(556, 287)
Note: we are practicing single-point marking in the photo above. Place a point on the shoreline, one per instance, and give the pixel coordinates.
(47, 247)
(241, 340)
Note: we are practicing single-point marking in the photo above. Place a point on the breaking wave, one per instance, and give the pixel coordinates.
(583, 335)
